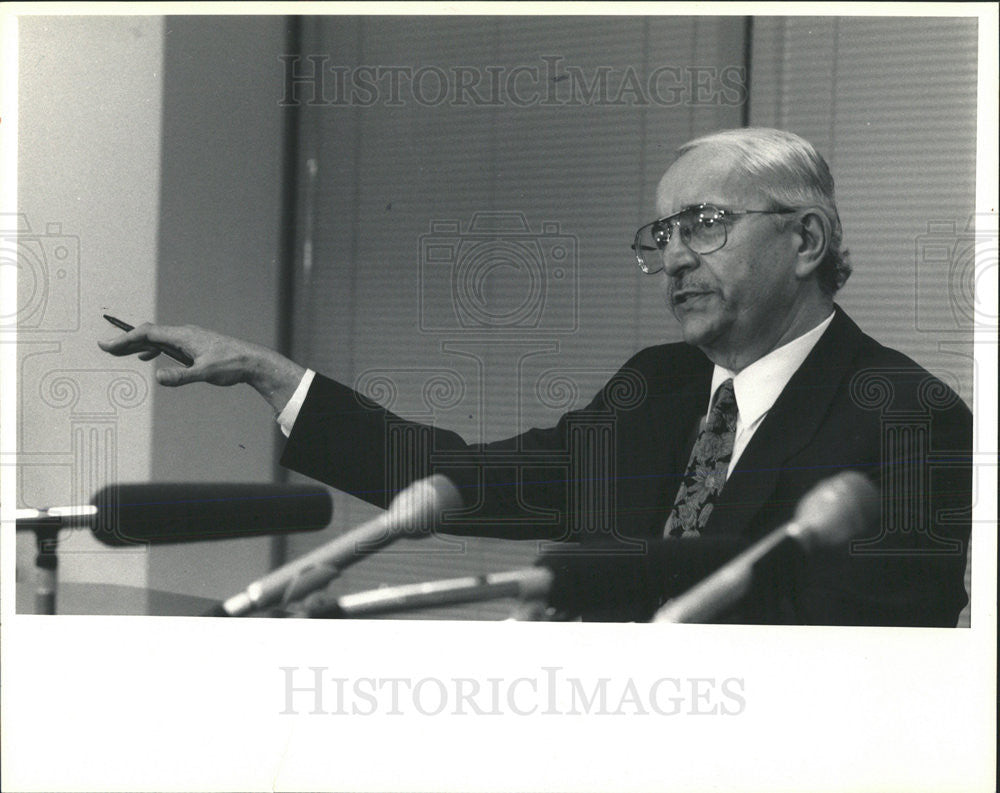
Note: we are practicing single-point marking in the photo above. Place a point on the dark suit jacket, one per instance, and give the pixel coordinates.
(608, 474)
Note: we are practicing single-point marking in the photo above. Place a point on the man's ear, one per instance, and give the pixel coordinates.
(814, 240)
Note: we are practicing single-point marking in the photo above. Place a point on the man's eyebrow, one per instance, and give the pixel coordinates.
(696, 205)
(699, 204)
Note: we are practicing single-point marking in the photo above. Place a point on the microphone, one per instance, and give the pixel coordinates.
(530, 583)
(827, 518)
(599, 577)
(415, 511)
(175, 512)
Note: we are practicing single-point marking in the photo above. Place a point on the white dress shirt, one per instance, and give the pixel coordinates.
(288, 414)
(758, 385)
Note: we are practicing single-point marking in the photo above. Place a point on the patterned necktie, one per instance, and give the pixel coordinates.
(706, 471)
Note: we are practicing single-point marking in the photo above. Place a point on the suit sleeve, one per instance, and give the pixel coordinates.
(518, 488)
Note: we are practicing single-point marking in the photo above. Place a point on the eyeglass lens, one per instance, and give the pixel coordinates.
(701, 229)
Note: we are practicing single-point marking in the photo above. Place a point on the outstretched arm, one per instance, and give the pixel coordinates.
(219, 360)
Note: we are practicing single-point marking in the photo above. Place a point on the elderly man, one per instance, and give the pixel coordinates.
(713, 441)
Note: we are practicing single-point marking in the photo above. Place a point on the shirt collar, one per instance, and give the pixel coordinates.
(758, 386)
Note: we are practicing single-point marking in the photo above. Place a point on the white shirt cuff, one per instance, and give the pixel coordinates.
(286, 418)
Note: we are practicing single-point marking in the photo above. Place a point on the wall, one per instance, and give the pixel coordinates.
(218, 267)
(90, 104)
(156, 143)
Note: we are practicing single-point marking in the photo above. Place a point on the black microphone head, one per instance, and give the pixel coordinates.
(174, 512)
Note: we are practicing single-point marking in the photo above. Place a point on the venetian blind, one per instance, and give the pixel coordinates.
(558, 165)
(891, 104)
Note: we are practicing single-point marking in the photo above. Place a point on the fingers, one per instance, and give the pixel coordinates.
(131, 342)
(115, 346)
(217, 359)
(171, 335)
(175, 376)
(141, 340)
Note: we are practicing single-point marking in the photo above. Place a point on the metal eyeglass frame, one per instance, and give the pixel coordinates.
(670, 221)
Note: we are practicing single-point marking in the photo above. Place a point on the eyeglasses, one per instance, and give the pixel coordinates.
(702, 228)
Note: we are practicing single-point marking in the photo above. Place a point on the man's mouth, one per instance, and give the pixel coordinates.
(687, 295)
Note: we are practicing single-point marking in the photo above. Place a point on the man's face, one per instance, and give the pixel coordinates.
(735, 303)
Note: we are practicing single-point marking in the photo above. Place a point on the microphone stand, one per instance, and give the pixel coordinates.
(46, 524)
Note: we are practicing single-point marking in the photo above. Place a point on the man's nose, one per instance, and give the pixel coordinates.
(678, 257)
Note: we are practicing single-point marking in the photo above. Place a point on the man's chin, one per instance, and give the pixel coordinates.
(697, 331)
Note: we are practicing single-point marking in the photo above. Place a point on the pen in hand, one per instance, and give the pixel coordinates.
(166, 349)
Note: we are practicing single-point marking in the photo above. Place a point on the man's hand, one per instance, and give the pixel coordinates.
(219, 360)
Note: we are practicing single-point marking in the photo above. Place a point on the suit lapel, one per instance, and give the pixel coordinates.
(676, 402)
(789, 425)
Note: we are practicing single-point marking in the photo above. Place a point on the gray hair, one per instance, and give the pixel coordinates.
(790, 172)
